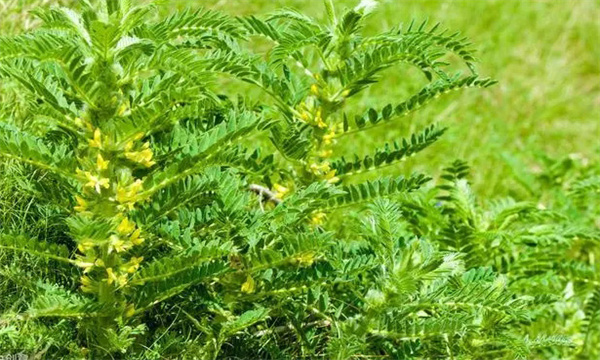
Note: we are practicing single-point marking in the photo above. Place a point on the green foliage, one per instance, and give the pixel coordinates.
(181, 221)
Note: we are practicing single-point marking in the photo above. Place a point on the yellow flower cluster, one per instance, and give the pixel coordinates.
(306, 259)
(117, 244)
(128, 237)
(143, 156)
(134, 264)
(101, 164)
(96, 142)
(87, 285)
(129, 310)
(318, 218)
(315, 119)
(314, 89)
(309, 112)
(325, 153)
(95, 175)
(327, 143)
(81, 204)
(119, 278)
(135, 237)
(85, 245)
(126, 226)
(248, 286)
(113, 275)
(129, 194)
(123, 109)
(280, 191)
(324, 171)
(85, 265)
(96, 182)
(328, 140)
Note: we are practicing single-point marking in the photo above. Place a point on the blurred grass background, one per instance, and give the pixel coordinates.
(545, 54)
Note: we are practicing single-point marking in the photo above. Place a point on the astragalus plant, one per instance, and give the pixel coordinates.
(190, 221)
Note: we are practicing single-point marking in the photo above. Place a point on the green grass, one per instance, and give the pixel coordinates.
(14, 14)
(545, 56)
(544, 53)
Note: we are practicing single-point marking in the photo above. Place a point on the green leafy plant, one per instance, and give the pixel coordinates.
(181, 221)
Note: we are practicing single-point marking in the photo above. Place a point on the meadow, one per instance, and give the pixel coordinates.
(343, 179)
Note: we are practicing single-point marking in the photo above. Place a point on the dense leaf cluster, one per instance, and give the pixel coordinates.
(148, 213)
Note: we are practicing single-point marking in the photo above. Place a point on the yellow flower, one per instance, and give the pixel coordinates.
(134, 264)
(319, 119)
(123, 194)
(318, 218)
(85, 265)
(122, 109)
(96, 182)
(129, 310)
(97, 141)
(126, 226)
(320, 123)
(314, 89)
(86, 281)
(306, 259)
(129, 146)
(248, 286)
(320, 169)
(117, 244)
(82, 123)
(110, 276)
(135, 237)
(129, 194)
(136, 186)
(138, 136)
(331, 178)
(122, 279)
(101, 164)
(99, 263)
(328, 138)
(86, 284)
(143, 157)
(85, 245)
(325, 153)
(81, 204)
(324, 170)
(147, 158)
(280, 191)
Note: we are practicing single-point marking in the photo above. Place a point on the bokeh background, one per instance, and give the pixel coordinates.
(544, 53)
